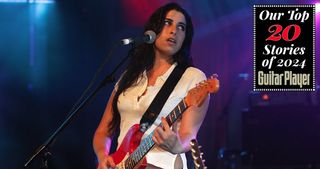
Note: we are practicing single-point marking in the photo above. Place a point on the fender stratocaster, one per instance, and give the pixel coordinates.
(131, 152)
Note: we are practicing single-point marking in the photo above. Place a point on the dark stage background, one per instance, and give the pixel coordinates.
(50, 51)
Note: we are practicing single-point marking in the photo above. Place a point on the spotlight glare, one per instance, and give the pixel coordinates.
(13, 1)
(317, 7)
(28, 1)
(265, 97)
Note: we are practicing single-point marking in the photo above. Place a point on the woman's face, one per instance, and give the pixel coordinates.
(171, 38)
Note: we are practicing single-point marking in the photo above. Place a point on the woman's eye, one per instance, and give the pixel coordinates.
(166, 23)
(181, 27)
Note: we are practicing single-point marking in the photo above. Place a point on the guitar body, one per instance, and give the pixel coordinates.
(130, 142)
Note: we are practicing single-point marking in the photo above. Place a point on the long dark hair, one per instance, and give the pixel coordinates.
(142, 57)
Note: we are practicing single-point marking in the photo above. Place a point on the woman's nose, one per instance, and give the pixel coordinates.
(173, 29)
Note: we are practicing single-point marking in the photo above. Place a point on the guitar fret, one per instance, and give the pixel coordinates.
(179, 108)
(184, 104)
(132, 163)
(175, 114)
(149, 141)
(135, 159)
(175, 111)
(168, 119)
(144, 147)
(171, 118)
(139, 153)
(128, 164)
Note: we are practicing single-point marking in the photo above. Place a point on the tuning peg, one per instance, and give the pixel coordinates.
(214, 76)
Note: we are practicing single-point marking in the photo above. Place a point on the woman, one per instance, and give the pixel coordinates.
(149, 67)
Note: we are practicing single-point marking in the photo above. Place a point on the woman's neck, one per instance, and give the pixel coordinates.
(161, 64)
(160, 67)
(162, 60)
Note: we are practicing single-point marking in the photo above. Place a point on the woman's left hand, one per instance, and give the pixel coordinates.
(165, 138)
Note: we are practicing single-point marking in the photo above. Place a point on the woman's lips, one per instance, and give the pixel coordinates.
(171, 41)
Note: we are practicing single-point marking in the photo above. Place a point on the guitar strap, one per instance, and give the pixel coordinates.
(158, 102)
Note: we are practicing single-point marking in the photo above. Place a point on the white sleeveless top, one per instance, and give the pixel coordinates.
(131, 109)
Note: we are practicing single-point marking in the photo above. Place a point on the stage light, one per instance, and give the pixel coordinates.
(265, 97)
(317, 7)
(28, 1)
(244, 76)
(41, 1)
(13, 1)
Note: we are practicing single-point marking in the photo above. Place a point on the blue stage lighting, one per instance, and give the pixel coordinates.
(28, 1)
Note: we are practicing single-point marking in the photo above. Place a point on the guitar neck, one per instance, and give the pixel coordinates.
(176, 113)
(147, 143)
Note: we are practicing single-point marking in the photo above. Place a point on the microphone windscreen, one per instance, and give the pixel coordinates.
(152, 36)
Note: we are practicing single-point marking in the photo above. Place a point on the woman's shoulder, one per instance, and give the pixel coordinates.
(191, 77)
(194, 72)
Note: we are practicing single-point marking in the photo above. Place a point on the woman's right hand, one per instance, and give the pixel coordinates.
(106, 162)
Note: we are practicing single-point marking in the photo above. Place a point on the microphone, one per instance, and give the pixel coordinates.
(148, 37)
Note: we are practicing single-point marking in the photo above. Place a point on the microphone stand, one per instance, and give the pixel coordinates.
(44, 149)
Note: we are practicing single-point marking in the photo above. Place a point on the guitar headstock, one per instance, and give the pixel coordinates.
(197, 95)
(197, 155)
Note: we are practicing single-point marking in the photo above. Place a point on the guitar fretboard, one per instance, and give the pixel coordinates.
(147, 143)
